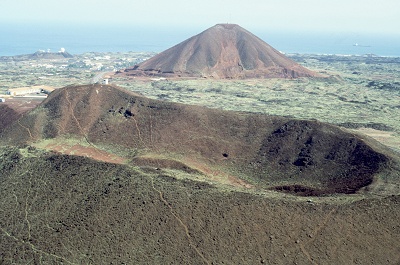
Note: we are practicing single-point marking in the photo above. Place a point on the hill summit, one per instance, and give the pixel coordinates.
(51, 55)
(222, 51)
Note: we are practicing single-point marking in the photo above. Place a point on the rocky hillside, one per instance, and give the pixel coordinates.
(269, 152)
(58, 209)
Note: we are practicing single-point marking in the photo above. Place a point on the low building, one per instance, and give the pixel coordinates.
(21, 91)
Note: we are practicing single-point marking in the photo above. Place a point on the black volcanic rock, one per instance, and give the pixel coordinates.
(222, 51)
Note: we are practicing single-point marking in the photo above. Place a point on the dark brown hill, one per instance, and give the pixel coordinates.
(69, 209)
(58, 209)
(222, 51)
(305, 157)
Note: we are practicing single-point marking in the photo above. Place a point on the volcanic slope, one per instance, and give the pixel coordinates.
(243, 149)
(59, 209)
(222, 51)
(165, 204)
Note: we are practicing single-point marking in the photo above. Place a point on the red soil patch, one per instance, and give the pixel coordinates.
(86, 151)
(217, 175)
(163, 163)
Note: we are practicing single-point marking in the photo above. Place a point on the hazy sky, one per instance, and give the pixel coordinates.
(315, 15)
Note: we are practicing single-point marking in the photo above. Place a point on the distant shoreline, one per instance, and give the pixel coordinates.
(4, 57)
(27, 39)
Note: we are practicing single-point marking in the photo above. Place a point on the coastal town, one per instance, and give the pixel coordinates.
(41, 72)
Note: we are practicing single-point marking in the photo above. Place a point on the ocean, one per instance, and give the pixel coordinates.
(78, 39)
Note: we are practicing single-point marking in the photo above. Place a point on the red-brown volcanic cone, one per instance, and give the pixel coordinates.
(304, 157)
(222, 51)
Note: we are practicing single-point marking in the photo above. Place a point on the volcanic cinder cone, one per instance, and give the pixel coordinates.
(222, 51)
(299, 156)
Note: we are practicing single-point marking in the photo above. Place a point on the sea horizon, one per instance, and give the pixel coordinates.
(27, 39)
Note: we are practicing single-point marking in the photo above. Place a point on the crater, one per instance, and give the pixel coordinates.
(322, 155)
